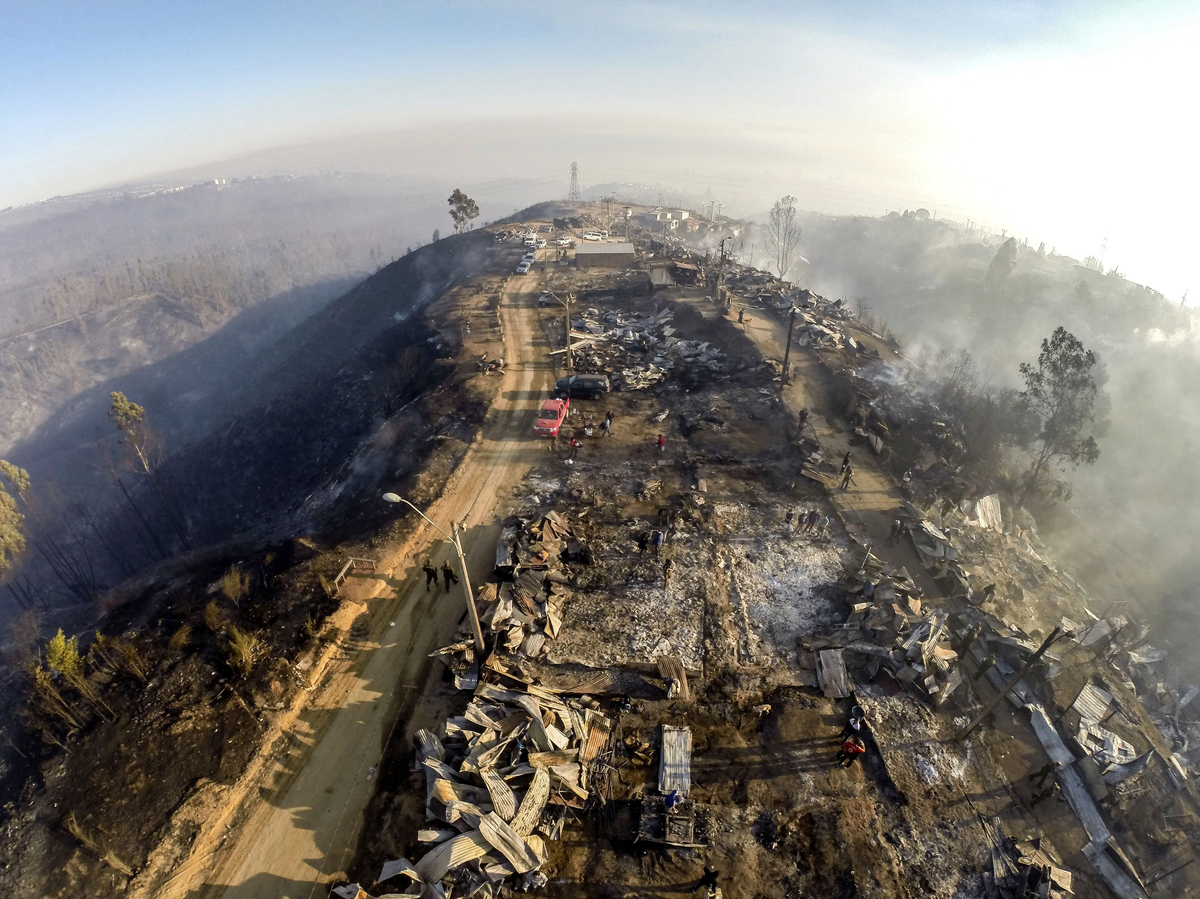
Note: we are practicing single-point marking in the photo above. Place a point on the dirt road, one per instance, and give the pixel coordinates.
(300, 830)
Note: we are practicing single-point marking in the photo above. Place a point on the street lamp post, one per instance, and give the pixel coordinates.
(462, 564)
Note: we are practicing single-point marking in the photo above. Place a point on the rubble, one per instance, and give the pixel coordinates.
(639, 350)
(501, 775)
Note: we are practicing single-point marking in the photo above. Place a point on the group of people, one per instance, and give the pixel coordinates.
(431, 575)
(810, 521)
(847, 472)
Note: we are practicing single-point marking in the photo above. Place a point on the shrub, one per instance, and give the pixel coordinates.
(179, 640)
(235, 583)
(243, 647)
(214, 616)
(104, 854)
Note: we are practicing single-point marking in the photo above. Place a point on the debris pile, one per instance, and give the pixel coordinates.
(1020, 870)
(642, 350)
(501, 780)
(905, 641)
(525, 609)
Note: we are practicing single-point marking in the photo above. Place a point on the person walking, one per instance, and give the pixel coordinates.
(852, 729)
(1040, 775)
(606, 428)
(847, 477)
(803, 419)
(668, 567)
(430, 575)
(845, 461)
(661, 444)
(894, 534)
(1044, 794)
(810, 523)
(707, 880)
(656, 540)
(575, 445)
(448, 575)
(851, 749)
(989, 661)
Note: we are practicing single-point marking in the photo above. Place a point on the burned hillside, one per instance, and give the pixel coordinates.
(781, 607)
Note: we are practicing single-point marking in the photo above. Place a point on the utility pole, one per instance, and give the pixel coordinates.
(573, 195)
(456, 541)
(1033, 659)
(567, 307)
(787, 350)
(566, 304)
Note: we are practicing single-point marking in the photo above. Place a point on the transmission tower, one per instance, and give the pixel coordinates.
(573, 195)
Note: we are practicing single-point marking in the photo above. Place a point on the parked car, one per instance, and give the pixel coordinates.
(529, 257)
(590, 387)
(547, 299)
(563, 242)
(550, 417)
(523, 267)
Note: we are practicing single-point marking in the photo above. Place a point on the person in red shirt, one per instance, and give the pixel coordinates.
(661, 443)
(850, 751)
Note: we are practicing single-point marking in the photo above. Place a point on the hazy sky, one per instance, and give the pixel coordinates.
(1063, 122)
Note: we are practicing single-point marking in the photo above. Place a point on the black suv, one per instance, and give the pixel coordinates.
(590, 387)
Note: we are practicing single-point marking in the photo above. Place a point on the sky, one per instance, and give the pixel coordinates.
(1071, 123)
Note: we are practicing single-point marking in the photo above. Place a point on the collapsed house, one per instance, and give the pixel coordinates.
(638, 350)
(500, 781)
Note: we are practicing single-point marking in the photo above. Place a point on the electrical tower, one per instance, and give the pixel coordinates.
(573, 195)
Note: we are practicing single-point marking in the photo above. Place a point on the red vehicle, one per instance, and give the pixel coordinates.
(550, 417)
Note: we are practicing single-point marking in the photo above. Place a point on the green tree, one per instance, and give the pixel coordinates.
(462, 210)
(784, 232)
(1061, 395)
(144, 448)
(62, 655)
(12, 522)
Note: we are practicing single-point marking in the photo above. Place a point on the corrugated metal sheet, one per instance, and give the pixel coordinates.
(533, 803)
(503, 799)
(449, 855)
(596, 248)
(671, 667)
(598, 729)
(601, 682)
(675, 764)
(508, 843)
(1092, 703)
(1114, 875)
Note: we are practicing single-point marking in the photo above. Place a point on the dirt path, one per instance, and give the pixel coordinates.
(304, 824)
(867, 507)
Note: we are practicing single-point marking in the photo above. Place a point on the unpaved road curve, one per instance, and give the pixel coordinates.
(305, 822)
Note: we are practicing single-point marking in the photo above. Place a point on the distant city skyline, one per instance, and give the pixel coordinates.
(1063, 122)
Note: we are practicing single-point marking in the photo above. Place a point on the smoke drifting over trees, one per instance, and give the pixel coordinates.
(941, 287)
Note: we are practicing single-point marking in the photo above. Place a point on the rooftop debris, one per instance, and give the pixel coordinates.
(516, 752)
(639, 350)
(1020, 870)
